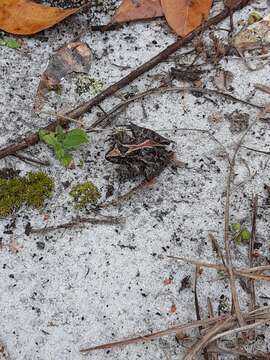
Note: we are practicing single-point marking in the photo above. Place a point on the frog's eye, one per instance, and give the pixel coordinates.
(171, 146)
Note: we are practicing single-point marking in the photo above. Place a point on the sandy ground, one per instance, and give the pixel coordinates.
(69, 289)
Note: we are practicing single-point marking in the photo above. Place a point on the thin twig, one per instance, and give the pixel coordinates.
(125, 196)
(29, 159)
(160, 90)
(109, 220)
(256, 150)
(63, 116)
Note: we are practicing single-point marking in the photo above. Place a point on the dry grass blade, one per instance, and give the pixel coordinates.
(258, 268)
(212, 356)
(248, 273)
(228, 256)
(197, 262)
(252, 304)
(215, 333)
(237, 352)
(195, 350)
(197, 306)
(241, 329)
(262, 87)
(255, 314)
(257, 277)
(169, 331)
(196, 300)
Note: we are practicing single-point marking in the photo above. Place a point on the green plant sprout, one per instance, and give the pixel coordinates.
(84, 194)
(240, 234)
(10, 43)
(63, 141)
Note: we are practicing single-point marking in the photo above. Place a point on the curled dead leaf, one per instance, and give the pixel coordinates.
(184, 16)
(254, 36)
(24, 17)
(131, 10)
(72, 57)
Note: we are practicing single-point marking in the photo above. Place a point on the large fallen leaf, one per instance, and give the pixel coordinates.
(72, 57)
(24, 17)
(184, 16)
(255, 35)
(130, 10)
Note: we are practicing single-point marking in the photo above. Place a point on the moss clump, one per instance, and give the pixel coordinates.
(31, 190)
(84, 194)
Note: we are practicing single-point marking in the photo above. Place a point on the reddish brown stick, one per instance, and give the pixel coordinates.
(88, 105)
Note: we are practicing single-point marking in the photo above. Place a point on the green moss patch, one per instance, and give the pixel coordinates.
(84, 194)
(31, 190)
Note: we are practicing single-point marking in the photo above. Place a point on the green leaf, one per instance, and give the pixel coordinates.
(75, 138)
(66, 160)
(236, 227)
(59, 151)
(62, 156)
(48, 137)
(60, 134)
(10, 43)
(245, 234)
(238, 239)
(62, 141)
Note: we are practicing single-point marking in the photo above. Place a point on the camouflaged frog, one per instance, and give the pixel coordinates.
(142, 151)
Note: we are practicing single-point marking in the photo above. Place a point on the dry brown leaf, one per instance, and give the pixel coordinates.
(254, 36)
(184, 16)
(24, 17)
(72, 57)
(131, 10)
